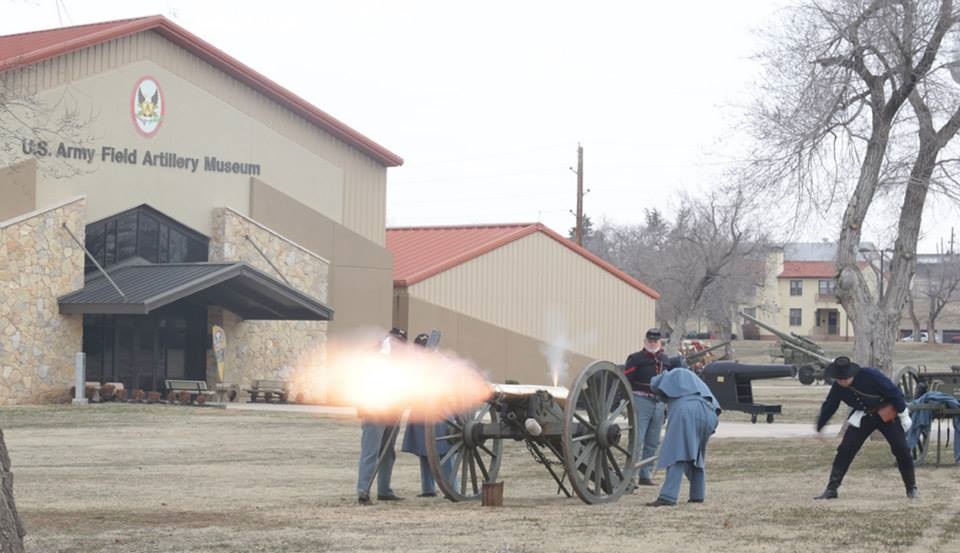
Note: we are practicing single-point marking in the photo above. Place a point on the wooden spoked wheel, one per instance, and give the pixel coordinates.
(461, 458)
(599, 434)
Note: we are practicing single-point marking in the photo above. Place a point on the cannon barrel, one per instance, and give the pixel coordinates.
(695, 356)
(785, 337)
(748, 371)
(731, 385)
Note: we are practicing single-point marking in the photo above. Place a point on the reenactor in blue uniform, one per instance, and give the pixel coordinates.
(878, 404)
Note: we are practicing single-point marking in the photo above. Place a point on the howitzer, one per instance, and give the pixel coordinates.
(697, 359)
(588, 431)
(803, 353)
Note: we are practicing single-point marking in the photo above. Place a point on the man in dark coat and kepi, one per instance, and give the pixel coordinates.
(639, 369)
(878, 404)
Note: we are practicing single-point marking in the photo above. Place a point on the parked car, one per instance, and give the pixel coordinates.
(923, 338)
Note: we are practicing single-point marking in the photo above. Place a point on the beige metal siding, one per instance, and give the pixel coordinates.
(539, 288)
(363, 201)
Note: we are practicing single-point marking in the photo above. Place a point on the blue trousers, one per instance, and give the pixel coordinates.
(670, 491)
(649, 423)
(427, 482)
(372, 440)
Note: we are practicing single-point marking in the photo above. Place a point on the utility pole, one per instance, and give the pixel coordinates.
(579, 232)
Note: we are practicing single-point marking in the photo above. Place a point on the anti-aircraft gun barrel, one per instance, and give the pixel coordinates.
(785, 337)
(801, 352)
(697, 355)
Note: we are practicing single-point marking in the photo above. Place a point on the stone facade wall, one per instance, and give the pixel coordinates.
(268, 349)
(39, 262)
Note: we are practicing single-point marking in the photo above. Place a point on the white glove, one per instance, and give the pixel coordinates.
(855, 417)
(905, 420)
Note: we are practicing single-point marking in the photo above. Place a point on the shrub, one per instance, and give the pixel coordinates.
(108, 392)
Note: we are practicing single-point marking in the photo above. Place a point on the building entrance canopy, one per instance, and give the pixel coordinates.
(246, 291)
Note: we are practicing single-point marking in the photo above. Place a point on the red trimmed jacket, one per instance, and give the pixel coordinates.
(641, 366)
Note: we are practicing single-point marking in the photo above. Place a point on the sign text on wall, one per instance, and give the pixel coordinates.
(133, 156)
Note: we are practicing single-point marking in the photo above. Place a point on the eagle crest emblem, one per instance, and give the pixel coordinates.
(148, 106)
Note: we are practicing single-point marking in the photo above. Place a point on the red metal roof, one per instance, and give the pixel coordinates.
(29, 48)
(808, 269)
(422, 252)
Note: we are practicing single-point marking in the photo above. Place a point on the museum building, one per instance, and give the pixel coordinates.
(206, 195)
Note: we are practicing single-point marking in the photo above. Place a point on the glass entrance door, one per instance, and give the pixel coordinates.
(832, 323)
(146, 371)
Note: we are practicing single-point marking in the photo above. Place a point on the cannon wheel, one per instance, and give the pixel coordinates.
(806, 375)
(908, 380)
(473, 458)
(599, 435)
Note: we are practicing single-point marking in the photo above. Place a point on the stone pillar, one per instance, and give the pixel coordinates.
(39, 262)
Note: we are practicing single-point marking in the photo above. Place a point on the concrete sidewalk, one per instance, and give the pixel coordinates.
(332, 410)
(725, 430)
(773, 430)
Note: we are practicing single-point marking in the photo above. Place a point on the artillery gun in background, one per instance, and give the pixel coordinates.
(803, 353)
(696, 356)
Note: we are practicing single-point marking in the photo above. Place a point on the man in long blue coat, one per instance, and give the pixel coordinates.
(415, 441)
(692, 418)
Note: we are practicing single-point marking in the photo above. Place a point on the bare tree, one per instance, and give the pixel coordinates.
(699, 263)
(859, 104)
(936, 283)
(11, 529)
(912, 311)
(32, 127)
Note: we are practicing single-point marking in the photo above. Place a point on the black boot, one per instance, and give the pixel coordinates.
(836, 477)
(829, 493)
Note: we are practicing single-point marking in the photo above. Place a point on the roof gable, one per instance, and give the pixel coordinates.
(24, 49)
(422, 252)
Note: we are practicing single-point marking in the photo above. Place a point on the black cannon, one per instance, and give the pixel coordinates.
(730, 383)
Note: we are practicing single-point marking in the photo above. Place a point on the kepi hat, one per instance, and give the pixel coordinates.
(841, 367)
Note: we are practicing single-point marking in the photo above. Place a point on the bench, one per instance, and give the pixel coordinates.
(193, 387)
(268, 389)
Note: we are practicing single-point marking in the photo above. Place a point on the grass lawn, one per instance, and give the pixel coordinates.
(137, 478)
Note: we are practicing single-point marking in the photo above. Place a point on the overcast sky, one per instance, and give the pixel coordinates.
(487, 101)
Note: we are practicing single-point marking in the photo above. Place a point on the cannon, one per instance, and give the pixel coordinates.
(730, 383)
(916, 381)
(583, 436)
(803, 353)
(696, 356)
